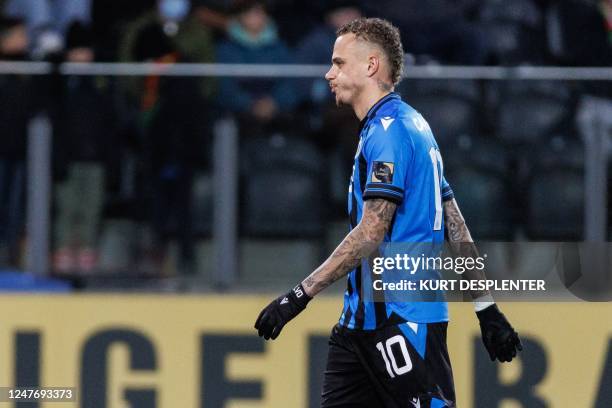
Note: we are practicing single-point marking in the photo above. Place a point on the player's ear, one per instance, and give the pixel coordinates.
(373, 65)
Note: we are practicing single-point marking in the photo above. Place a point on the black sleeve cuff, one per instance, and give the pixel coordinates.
(447, 194)
(383, 190)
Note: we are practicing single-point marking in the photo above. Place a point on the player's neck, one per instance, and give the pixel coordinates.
(367, 100)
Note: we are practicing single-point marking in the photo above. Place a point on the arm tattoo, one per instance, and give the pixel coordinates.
(456, 229)
(360, 243)
(461, 243)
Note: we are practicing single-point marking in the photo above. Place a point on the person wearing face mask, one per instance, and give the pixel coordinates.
(192, 39)
(252, 38)
(172, 123)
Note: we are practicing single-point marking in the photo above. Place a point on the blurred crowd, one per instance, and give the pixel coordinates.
(134, 147)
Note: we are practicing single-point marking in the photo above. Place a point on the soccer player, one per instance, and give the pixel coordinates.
(390, 353)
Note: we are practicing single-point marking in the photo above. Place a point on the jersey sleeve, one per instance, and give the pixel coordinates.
(389, 156)
(447, 191)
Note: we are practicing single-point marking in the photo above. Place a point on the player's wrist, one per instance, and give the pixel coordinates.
(299, 296)
(483, 302)
(490, 313)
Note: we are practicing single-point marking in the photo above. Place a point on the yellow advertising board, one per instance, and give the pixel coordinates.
(146, 351)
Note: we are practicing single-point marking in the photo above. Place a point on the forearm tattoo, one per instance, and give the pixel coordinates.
(461, 243)
(360, 243)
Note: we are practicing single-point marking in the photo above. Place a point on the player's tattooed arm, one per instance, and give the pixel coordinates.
(360, 243)
(461, 243)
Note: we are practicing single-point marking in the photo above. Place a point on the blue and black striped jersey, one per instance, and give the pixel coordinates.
(399, 160)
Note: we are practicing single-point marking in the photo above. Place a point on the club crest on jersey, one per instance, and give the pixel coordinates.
(382, 172)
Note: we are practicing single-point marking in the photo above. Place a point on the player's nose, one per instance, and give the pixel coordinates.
(330, 74)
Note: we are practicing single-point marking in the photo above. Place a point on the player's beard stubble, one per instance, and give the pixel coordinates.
(346, 95)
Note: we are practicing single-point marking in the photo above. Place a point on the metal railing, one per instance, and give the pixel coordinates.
(594, 119)
(303, 71)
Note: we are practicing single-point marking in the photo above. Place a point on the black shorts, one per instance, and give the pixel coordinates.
(404, 365)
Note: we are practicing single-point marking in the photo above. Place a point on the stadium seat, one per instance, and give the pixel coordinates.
(576, 33)
(340, 174)
(565, 150)
(519, 259)
(529, 117)
(555, 203)
(283, 203)
(204, 250)
(476, 169)
(512, 43)
(468, 89)
(513, 88)
(525, 12)
(283, 189)
(449, 108)
(479, 151)
(280, 151)
(117, 244)
(277, 263)
(202, 204)
(515, 31)
(483, 197)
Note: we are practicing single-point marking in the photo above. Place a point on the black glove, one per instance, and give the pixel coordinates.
(277, 314)
(498, 336)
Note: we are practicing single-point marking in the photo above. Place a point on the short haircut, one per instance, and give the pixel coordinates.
(385, 35)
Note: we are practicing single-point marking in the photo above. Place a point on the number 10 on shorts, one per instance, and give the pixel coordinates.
(390, 361)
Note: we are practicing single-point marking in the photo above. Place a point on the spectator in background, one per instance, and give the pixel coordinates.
(108, 21)
(583, 39)
(316, 47)
(14, 39)
(253, 39)
(579, 37)
(295, 18)
(173, 123)
(214, 14)
(182, 29)
(191, 38)
(331, 128)
(15, 110)
(439, 29)
(606, 10)
(48, 20)
(84, 140)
